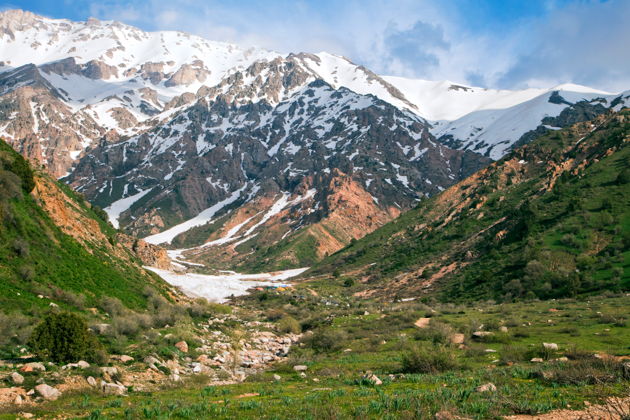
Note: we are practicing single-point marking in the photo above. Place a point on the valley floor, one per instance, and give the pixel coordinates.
(369, 360)
(219, 288)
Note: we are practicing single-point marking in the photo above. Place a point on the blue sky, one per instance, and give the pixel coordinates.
(490, 43)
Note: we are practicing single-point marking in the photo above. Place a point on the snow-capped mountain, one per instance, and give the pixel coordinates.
(193, 141)
(492, 121)
(118, 80)
(261, 172)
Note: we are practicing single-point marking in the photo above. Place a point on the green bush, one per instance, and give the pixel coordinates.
(431, 359)
(64, 337)
(289, 324)
(325, 340)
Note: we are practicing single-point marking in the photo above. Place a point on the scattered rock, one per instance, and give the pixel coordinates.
(27, 415)
(125, 359)
(503, 329)
(481, 334)
(550, 346)
(276, 377)
(300, 368)
(17, 378)
(457, 338)
(113, 389)
(489, 387)
(369, 376)
(109, 370)
(182, 346)
(150, 360)
(82, 364)
(91, 381)
(32, 367)
(100, 329)
(18, 400)
(48, 392)
(562, 359)
(423, 322)
(537, 360)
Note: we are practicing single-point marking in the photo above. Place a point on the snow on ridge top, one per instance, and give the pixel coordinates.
(572, 87)
(30, 38)
(449, 101)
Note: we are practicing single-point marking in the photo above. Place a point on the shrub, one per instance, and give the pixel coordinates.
(585, 371)
(111, 305)
(63, 338)
(275, 314)
(289, 324)
(26, 273)
(201, 308)
(513, 354)
(437, 332)
(348, 282)
(326, 340)
(14, 328)
(623, 177)
(20, 247)
(431, 359)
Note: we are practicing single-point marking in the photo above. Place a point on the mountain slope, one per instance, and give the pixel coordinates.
(492, 122)
(252, 175)
(551, 219)
(54, 244)
(104, 79)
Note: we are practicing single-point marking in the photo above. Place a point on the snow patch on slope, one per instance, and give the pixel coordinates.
(201, 219)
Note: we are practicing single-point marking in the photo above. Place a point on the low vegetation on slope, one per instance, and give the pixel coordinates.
(38, 258)
(551, 219)
(57, 253)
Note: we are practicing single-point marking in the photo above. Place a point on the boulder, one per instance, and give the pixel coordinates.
(113, 389)
(48, 392)
(369, 376)
(109, 370)
(126, 359)
(457, 338)
(489, 387)
(17, 379)
(33, 367)
(82, 364)
(100, 329)
(182, 346)
(91, 381)
(537, 360)
(276, 377)
(550, 346)
(503, 329)
(300, 368)
(150, 360)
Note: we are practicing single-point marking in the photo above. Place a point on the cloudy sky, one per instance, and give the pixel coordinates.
(490, 43)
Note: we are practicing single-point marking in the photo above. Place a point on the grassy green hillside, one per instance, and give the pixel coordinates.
(550, 220)
(38, 258)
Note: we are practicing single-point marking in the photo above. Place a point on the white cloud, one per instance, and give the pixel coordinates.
(581, 43)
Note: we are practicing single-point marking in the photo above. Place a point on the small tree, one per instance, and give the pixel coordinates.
(63, 338)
